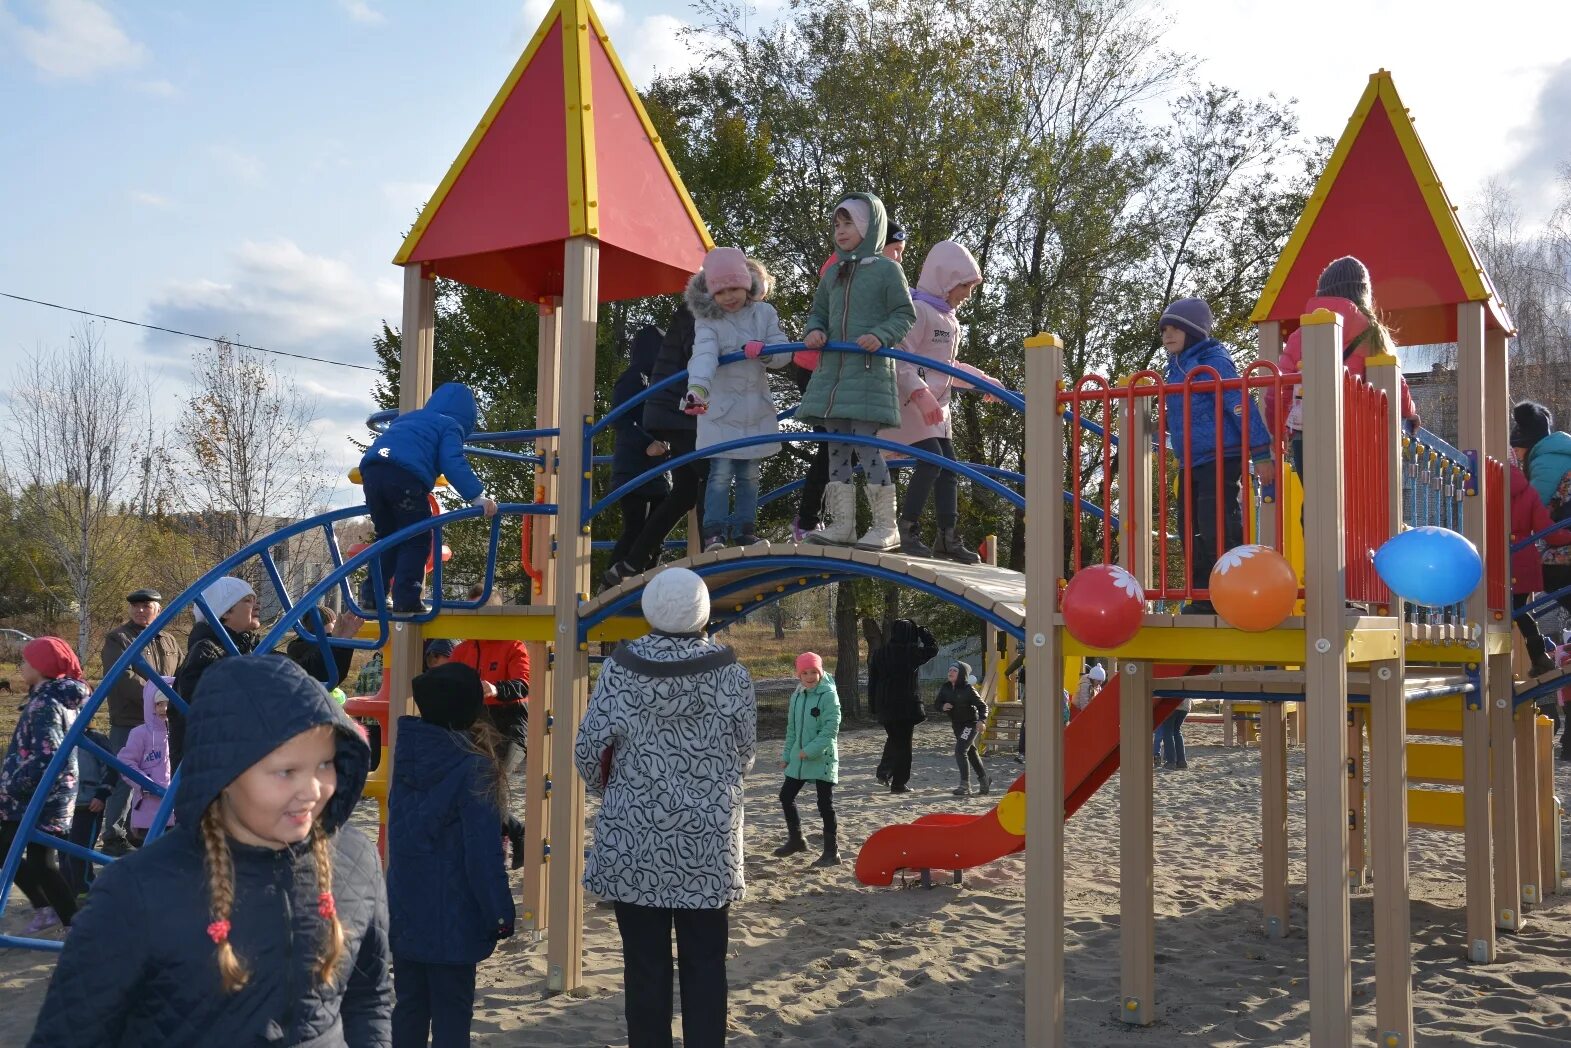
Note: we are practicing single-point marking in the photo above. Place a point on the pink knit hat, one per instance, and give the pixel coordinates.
(809, 660)
(725, 268)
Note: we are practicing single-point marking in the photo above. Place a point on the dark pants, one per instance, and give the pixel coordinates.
(926, 478)
(810, 507)
(119, 804)
(1203, 551)
(84, 831)
(896, 761)
(511, 721)
(39, 876)
(646, 962)
(826, 806)
(636, 511)
(435, 1000)
(1532, 639)
(1169, 743)
(1557, 577)
(396, 499)
(966, 757)
(688, 484)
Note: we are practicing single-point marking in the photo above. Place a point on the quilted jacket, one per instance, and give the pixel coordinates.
(203, 648)
(740, 404)
(138, 968)
(447, 892)
(41, 725)
(430, 440)
(663, 410)
(1199, 436)
(813, 728)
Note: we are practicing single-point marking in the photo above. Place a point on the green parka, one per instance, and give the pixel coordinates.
(813, 728)
(861, 293)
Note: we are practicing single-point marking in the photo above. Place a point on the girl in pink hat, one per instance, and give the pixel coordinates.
(812, 754)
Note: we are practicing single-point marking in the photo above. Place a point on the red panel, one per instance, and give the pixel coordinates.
(1376, 211)
(512, 192)
(639, 208)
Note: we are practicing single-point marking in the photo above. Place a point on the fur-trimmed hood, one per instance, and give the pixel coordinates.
(703, 304)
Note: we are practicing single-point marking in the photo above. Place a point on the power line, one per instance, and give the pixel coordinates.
(184, 334)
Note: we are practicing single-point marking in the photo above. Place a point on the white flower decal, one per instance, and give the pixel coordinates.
(1236, 556)
(1126, 582)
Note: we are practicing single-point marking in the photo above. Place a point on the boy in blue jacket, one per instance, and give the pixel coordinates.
(1185, 330)
(400, 469)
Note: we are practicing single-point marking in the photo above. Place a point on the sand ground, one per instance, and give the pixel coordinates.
(818, 960)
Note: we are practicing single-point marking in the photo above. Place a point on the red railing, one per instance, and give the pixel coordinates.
(1367, 482)
(1497, 554)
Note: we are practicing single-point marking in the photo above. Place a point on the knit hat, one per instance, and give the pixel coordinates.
(809, 660)
(1346, 278)
(676, 601)
(861, 214)
(1189, 315)
(223, 594)
(1531, 422)
(897, 233)
(449, 696)
(52, 657)
(1097, 673)
(726, 268)
(440, 646)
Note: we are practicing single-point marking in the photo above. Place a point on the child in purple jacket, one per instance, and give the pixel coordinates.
(147, 751)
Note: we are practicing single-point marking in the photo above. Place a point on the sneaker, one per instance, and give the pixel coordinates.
(799, 533)
(412, 609)
(748, 539)
(963, 790)
(1182, 766)
(907, 789)
(883, 778)
(43, 920)
(115, 847)
(713, 543)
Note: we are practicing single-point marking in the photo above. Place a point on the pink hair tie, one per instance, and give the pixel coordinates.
(325, 906)
(218, 931)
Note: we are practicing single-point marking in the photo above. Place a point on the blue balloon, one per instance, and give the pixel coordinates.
(1431, 566)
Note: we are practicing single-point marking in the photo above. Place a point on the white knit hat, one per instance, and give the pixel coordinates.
(676, 601)
(223, 594)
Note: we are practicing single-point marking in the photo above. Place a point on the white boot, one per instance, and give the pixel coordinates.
(840, 508)
(885, 532)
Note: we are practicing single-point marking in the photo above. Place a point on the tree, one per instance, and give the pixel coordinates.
(73, 452)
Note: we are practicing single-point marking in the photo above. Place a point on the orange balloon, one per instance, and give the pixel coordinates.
(1253, 588)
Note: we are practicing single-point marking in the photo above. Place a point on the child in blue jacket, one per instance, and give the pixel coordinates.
(447, 892)
(811, 754)
(399, 470)
(1185, 329)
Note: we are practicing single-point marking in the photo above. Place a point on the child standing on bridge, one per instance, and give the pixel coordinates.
(864, 299)
(812, 754)
(732, 402)
(967, 712)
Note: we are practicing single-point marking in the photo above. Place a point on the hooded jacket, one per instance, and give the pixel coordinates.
(1529, 517)
(1200, 435)
(148, 913)
(430, 440)
(447, 893)
(147, 751)
(966, 708)
(663, 410)
(162, 653)
(738, 393)
(307, 654)
(1547, 463)
(813, 727)
(1354, 324)
(504, 663)
(678, 717)
(935, 335)
(203, 649)
(42, 721)
(863, 293)
(630, 455)
(891, 673)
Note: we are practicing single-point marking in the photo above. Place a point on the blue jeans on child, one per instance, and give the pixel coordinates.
(433, 1000)
(719, 518)
(1169, 741)
(396, 499)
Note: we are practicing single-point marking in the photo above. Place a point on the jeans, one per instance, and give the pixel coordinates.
(646, 962)
(1202, 493)
(926, 478)
(826, 807)
(636, 511)
(435, 1000)
(39, 876)
(396, 499)
(119, 805)
(724, 475)
(687, 485)
(810, 508)
(840, 455)
(1169, 741)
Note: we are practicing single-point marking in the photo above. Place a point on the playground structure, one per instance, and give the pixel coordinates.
(573, 234)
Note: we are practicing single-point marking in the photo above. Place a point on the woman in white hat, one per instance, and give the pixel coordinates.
(233, 603)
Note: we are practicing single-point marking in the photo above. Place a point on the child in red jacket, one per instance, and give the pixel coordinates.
(1529, 517)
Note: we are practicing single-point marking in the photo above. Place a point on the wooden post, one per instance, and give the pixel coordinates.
(1325, 680)
(1044, 848)
(570, 680)
(533, 908)
(1548, 825)
(1475, 715)
(1357, 861)
(416, 360)
(1273, 819)
(1388, 826)
(1137, 858)
(1528, 864)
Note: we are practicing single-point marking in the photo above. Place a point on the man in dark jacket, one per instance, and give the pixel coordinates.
(892, 690)
(162, 655)
(637, 450)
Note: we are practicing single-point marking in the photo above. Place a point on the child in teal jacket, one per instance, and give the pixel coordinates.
(811, 754)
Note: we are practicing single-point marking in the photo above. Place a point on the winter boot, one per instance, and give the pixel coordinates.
(840, 504)
(986, 786)
(884, 534)
(795, 844)
(515, 839)
(949, 545)
(964, 789)
(911, 542)
(831, 856)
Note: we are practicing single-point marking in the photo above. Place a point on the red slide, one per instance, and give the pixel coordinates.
(959, 842)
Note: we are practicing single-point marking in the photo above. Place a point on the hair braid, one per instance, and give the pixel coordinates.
(333, 941)
(221, 897)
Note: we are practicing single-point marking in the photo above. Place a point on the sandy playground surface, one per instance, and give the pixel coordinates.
(818, 960)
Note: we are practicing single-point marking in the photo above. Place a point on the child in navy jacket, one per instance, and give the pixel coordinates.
(448, 896)
(399, 470)
(959, 700)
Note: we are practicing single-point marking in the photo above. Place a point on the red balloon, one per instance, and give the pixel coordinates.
(1104, 606)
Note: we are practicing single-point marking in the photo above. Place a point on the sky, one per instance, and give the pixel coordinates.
(248, 170)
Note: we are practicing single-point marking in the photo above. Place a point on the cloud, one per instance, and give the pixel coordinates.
(146, 199)
(237, 164)
(361, 12)
(77, 40)
(407, 197)
(1545, 148)
(612, 15)
(158, 88)
(657, 47)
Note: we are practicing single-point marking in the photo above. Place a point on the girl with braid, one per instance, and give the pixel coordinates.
(260, 916)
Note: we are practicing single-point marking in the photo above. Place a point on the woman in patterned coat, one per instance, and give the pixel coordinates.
(669, 734)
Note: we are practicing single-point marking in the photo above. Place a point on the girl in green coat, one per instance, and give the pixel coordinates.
(811, 754)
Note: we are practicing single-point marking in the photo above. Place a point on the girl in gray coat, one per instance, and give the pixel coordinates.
(733, 401)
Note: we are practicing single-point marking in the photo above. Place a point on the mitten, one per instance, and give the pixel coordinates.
(752, 349)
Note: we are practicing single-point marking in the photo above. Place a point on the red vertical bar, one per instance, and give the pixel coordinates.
(1075, 419)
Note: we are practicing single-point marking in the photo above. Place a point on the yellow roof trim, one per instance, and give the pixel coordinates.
(582, 183)
(475, 137)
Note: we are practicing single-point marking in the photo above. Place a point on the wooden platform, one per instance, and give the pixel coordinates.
(1289, 684)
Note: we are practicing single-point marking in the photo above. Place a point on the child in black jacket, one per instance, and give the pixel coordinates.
(967, 713)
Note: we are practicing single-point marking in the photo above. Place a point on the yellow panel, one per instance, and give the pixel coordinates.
(1435, 716)
(494, 627)
(1192, 646)
(1437, 762)
(1434, 809)
(620, 628)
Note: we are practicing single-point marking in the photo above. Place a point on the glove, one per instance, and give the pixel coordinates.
(752, 349)
(927, 404)
(807, 359)
(696, 402)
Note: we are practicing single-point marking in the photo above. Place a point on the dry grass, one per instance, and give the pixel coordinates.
(767, 658)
